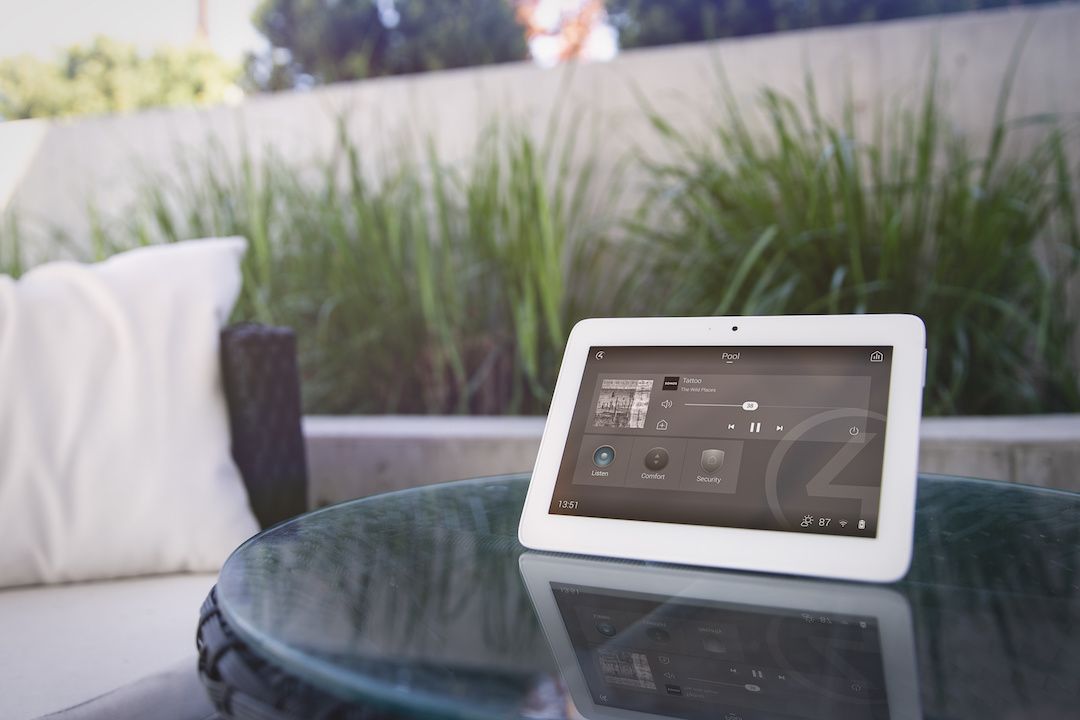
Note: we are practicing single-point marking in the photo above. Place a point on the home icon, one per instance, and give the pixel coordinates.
(662, 425)
(876, 356)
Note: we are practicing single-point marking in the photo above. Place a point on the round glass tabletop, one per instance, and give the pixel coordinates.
(423, 603)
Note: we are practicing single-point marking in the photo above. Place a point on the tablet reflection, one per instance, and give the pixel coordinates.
(636, 641)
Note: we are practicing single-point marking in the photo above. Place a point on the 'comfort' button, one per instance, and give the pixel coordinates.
(656, 459)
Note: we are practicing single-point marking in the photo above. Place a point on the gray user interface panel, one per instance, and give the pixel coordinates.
(772, 438)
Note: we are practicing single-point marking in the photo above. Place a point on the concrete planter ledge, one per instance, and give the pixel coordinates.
(1004, 428)
(358, 455)
(1039, 450)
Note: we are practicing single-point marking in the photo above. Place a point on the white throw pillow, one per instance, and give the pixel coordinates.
(114, 437)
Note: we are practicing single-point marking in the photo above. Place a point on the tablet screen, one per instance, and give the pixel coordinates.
(697, 659)
(767, 438)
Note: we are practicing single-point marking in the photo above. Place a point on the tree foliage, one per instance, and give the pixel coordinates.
(352, 39)
(643, 23)
(317, 41)
(108, 76)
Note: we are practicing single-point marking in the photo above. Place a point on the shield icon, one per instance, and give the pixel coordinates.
(711, 460)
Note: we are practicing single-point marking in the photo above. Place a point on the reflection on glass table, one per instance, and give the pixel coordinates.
(651, 642)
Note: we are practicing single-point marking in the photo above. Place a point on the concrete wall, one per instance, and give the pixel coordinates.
(103, 160)
(357, 456)
(19, 144)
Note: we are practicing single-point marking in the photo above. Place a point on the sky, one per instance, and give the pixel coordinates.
(43, 27)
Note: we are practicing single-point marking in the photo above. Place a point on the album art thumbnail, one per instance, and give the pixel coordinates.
(626, 668)
(622, 403)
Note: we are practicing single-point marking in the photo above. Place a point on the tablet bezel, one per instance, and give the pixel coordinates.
(889, 608)
(884, 558)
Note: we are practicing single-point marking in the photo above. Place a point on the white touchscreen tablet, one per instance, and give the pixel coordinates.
(657, 642)
(779, 444)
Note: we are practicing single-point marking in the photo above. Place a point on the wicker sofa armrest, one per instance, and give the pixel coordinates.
(262, 390)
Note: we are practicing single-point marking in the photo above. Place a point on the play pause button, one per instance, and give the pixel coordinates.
(755, 427)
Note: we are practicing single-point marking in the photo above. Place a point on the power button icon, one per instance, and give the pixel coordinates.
(853, 431)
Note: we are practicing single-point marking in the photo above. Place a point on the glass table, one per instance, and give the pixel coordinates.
(422, 604)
